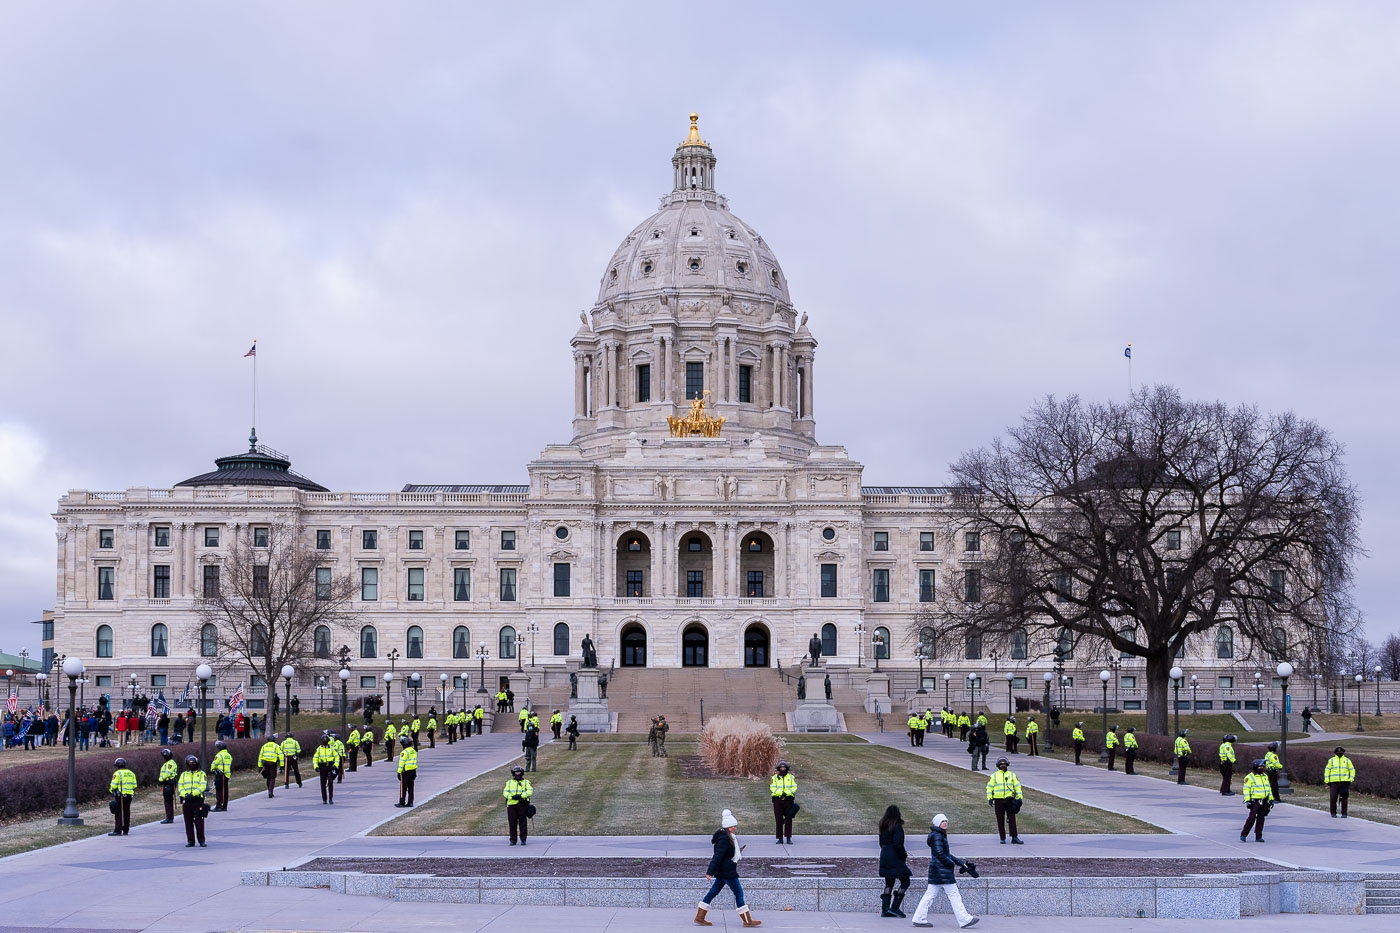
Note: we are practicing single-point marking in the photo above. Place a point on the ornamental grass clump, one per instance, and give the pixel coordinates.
(738, 746)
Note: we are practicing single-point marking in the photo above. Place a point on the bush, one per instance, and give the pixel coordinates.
(29, 789)
(738, 746)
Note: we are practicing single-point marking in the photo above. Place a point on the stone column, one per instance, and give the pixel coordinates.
(733, 369)
(580, 389)
(624, 377)
(731, 563)
(658, 393)
(780, 565)
(807, 387)
(609, 560)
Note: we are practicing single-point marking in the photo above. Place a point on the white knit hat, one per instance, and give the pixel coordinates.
(726, 820)
(939, 819)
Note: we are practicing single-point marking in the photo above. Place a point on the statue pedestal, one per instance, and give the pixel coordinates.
(520, 686)
(590, 708)
(816, 713)
(877, 691)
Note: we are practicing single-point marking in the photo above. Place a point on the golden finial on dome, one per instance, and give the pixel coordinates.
(694, 138)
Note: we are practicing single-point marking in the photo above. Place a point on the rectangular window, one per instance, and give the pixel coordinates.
(882, 586)
(369, 584)
(1276, 583)
(323, 539)
(926, 541)
(415, 584)
(415, 540)
(260, 536)
(507, 585)
(882, 540)
(162, 536)
(257, 680)
(1173, 540)
(972, 541)
(1018, 683)
(746, 383)
(106, 538)
(507, 540)
(694, 583)
(693, 545)
(561, 579)
(1225, 683)
(694, 380)
(755, 584)
(160, 584)
(926, 586)
(46, 630)
(323, 583)
(828, 580)
(634, 583)
(106, 577)
(211, 581)
(369, 539)
(1172, 577)
(1064, 587)
(369, 682)
(972, 585)
(462, 540)
(1128, 681)
(261, 588)
(644, 383)
(158, 680)
(104, 680)
(462, 584)
(211, 537)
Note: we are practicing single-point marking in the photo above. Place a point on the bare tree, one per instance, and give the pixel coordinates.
(1144, 523)
(278, 602)
(1390, 657)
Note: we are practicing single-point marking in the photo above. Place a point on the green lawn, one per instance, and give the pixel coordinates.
(613, 788)
(1387, 725)
(1209, 725)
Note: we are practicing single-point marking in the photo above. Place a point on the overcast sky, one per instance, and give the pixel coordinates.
(409, 204)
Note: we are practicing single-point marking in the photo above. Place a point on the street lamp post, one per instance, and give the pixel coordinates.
(876, 643)
(947, 679)
(533, 629)
(860, 644)
(1064, 682)
(972, 693)
(481, 655)
(442, 679)
(1176, 674)
(1258, 695)
(41, 677)
(1359, 726)
(1378, 691)
(415, 683)
(1284, 671)
(1104, 678)
(919, 653)
(1010, 701)
(515, 646)
(388, 692)
(288, 672)
(321, 686)
(202, 674)
(344, 697)
(1049, 733)
(72, 668)
(464, 689)
(1194, 685)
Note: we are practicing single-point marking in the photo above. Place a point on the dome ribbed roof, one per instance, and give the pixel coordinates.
(258, 466)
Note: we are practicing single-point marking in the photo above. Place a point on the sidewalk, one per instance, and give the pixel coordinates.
(1295, 836)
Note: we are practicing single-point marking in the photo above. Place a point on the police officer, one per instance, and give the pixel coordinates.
(192, 787)
(367, 743)
(122, 789)
(1130, 750)
(390, 735)
(1227, 764)
(432, 730)
(169, 774)
(1008, 729)
(783, 789)
(964, 724)
(479, 715)
(1182, 749)
(415, 729)
(531, 745)
(556, 723)
(222, 770)
(518, 793)
(1003, 790)
(982, 718)
(1032, 730)
(270, 761)
(1273, 767)
(1110, 744)
(291, 748)
(408, 771)
(1338, 775)
(916, 729)
(1259, 797)
(524, 717)
(1077, 736)
(352, 744)
(324, 760)
(572, 732)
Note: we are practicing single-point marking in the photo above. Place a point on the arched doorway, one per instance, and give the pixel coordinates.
(756, 646)
(634, 646)
(633, 565)
(695, 647)
(757, 579)
(694, 566)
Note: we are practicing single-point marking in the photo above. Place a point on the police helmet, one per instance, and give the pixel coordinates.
(1002, 763)
(783, 766)
(517, 770)
(1132, 728)
(1182, 734)
(273, 736)
(166, 753)
(1339, 750)
(221, 744)
(325, 738)
(1273, 746)
(1258, 764)
(1080, 723)
(120, 762)
(405, 741)
(191, 761)
(1114, 728)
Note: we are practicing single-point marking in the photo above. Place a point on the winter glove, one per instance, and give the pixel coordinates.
(968, 868)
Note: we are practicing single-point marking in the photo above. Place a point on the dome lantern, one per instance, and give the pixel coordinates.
(694, 161)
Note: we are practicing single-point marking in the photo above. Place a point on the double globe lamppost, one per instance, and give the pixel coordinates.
(203, 673)
(72, 669)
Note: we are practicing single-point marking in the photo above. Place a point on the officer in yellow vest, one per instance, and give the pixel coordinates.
(1273, 767)
(1008, 729)
(982, 719)
(479, 715)
(415, 729)
(501, 702)
(291, 748)
(1182, 749)
(449, 722)
(122, 789)
(352, 744)
(1076, 735)
(169, 774)
(390, 735)
(1110, 743)
(1004, 796)
(367, 742)
(222, 770)
(1259, 797)
(524, 718)
(408, 771)
(916, 729)
(964, 724)
(432, 731)
(1338, 775)
(517, 793)
(556, 723)
(783, 789)
(325, 760)
(270, 761)
(1032, 730)
(534, 722)
(1130, 750)
(1227, 764)
(192, 787)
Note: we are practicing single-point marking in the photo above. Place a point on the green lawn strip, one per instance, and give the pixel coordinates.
(619, 789)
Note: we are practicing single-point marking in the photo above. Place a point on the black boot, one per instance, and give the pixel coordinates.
(898, 899)
(885, 907)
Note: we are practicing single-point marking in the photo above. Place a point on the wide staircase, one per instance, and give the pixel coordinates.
(637, 694)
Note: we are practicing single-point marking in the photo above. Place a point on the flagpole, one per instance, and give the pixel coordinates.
(255, 390)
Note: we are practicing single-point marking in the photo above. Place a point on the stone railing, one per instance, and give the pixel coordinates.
(289, 496)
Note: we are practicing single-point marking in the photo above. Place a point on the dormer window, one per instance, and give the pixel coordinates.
(656, 234)
(694, 231)
(774, 276)
(614, 276)
(741, 267)
(694, 264)
(647, 267)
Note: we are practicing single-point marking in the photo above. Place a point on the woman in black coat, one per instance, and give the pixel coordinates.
(894, 862)
(941, 878)
(724, 870)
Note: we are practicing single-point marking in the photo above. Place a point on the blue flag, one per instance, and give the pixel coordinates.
(1128, 351)
(184, 694)
(160, 703)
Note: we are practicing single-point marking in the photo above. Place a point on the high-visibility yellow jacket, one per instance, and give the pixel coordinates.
(1339, 768)
(408, 760)
(1181, 747)
(524, 715)
(192, 784)
(782, 785)
(1271, 762)
(501, 697)
(367, 737)
(516, 791)
(1256, 787)
(964, 720)
(271, 754)
(1110, 740)
(123, 782)
(390, 732)
(1227, 753)
(1077, 734)
(534, 720)
(339, 748)
(416, 727)
(354, 739)
(223, 763)
(981, 720)
(557, 719)
(291, 747)
(1009, 728)
(168, 773)
(915, 723)
(1003, 784)
(1031, 729)
(325, 755)
(432, 723)
(480, 714)
(1130, 742)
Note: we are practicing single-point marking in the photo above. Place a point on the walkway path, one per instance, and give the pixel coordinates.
(1295, 836)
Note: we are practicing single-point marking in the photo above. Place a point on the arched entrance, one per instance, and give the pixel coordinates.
(757, 579)
(694, 566)
(633, 565)
(695, 647)
(634, 646)
(756, 646)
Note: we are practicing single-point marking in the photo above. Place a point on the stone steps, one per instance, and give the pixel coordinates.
(1383, 896)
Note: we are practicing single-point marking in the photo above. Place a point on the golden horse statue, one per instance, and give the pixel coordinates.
(696, 422)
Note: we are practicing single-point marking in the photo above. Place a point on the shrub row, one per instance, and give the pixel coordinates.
(1306, 762)
(43, 785)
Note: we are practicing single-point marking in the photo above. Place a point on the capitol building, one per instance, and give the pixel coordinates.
(694, 518)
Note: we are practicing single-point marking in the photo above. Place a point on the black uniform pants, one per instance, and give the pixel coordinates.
(782, 822)
(369, 754)
(220, 791)
(1112, 755)
(1258, 809)
(1181, 769)
(432, 742)
(1078, 750)
(1030, 740)
(167, 793)
(519, 823)
(1338, 790)
(1129, 756)
(293, 770)
(1227, 771)
(573, 741)
(388, 750)
(327, 775)
(1010, 739)
(354, 757)
(962, 733)
(1005, 818)
(269, 773)
(122, 818)
(556, 726)
(192, 808)
(406, 780)
(1273, 784)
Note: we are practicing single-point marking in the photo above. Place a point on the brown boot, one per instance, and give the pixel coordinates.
(748, 919)
(700, 915)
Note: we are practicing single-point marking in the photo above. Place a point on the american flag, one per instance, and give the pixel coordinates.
(252, 352)
(235, 702)
(13, 701)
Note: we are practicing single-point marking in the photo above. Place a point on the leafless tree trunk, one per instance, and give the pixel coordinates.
(1141, 524)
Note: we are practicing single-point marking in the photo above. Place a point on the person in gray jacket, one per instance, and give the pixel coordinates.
(941, 878)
